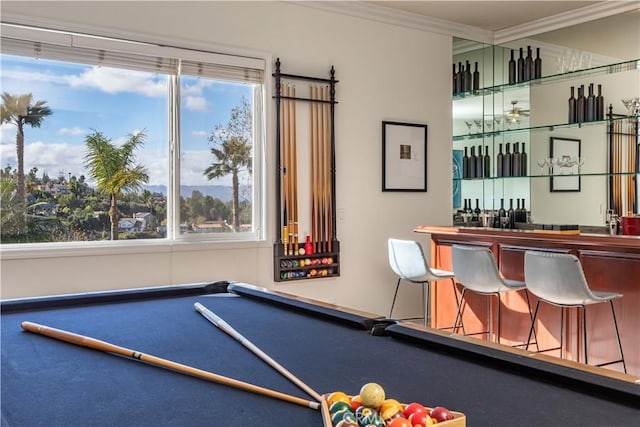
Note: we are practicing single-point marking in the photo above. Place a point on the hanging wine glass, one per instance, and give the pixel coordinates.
(497, 119)
(478, 123)
(542, 163)
(469, 123)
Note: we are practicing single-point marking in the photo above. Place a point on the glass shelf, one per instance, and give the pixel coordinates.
(534, 128)
(557, 175)
(595, 71)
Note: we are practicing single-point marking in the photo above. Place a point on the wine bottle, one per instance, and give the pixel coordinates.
(501, 212)
(511, 214)
(590, 111)
(454, 80)
(528, 65)
(523, 162)
(479, 163)
(524, 213)
(517, 214)
(460, 78)
(506, 161)
(516, 160)
(537, 65)
(512, 69)
(580, 104)
(499, 161)
(521, 67)
(477, 211)
(487, 163)
(472, 163)
(465, 164)
(573, 113)
(468, 82)
(468, 209)
(476, 79)
(599, 104)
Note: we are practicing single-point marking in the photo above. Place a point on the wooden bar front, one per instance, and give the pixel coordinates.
(611, 263)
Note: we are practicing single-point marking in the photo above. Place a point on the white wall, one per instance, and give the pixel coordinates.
(385, 72)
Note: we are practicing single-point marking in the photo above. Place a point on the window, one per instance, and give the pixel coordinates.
(105, 139)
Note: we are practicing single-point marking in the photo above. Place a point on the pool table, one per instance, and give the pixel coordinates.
(46, 382)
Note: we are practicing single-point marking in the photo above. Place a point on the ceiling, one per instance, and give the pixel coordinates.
(487, 15)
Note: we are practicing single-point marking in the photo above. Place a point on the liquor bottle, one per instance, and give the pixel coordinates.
(512, 69)
(537, 65)
(472, 163)
(516, 160)
(479, 163)
(506, 161)
(468, 80)
(573, 113)
(476, 79)
(477, 211)
(308, 247)
(580, 104)
(501, 212)
(499, 160)
(590, 111)
(487, 163)
(599, 104)
(528, 65)
(523, 162)
(511, 214)
(465, 164)
(460, 78)
(521, 67)
(454, 80)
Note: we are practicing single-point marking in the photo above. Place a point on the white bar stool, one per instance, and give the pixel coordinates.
(477, 271)
(558, 279)
(407, 260)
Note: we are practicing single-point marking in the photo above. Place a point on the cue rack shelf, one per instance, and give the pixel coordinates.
(291, 260)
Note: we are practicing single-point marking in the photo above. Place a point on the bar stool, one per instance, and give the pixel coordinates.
(407, 260)
(476, 270)
(558, 279)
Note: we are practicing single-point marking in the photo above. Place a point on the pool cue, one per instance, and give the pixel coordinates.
(328, 171)
(284, 184)
(289, 248)
(294, 143)
(95, 344)
(225, 327)
(323, 219)
(312, 169)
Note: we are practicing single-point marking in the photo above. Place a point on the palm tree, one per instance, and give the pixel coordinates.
(18, 110)
(232, 152)
(114, 169)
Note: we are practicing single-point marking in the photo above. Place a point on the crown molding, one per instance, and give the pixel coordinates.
(401, 18)
(565, 19)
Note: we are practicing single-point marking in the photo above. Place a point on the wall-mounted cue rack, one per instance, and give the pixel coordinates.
(308, 108)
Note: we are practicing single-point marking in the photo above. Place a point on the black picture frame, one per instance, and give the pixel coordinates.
(568, 147)
(404, 156)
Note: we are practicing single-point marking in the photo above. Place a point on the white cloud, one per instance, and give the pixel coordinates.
(72, 131)
(200, 133)
(195, 103)
(113, 80)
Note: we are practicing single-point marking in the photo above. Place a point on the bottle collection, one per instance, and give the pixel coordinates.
(465, 80)
(500, 218)
(586, 107)
(524, 68)
(508, 164)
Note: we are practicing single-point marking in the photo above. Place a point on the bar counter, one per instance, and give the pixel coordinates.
(610, 263)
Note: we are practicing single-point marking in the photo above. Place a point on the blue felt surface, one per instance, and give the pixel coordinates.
(50, 383)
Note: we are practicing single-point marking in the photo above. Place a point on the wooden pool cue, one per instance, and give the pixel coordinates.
(328, 168)
(312, 167)
(95, 344)
(228, 329)
(323, 219)
(284, 182)
(294, 178)
(287, 137)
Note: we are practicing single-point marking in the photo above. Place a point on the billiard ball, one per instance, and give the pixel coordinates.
(372, 395)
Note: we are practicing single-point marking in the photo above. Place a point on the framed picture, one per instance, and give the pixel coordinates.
(565, 152)
(457, 176)
(404, 157)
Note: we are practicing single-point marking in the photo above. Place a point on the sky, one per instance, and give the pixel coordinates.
(118, 103)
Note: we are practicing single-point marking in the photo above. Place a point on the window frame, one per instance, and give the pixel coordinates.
(173, 241)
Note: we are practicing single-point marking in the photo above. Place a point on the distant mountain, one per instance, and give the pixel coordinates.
(221, 192)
